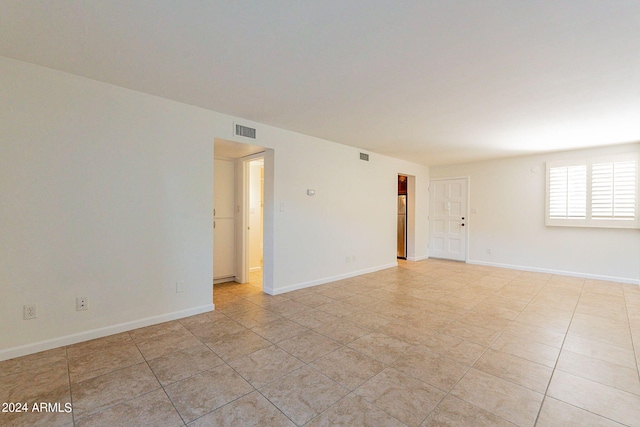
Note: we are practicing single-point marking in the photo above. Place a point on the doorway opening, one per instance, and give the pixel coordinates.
(402, 217)
(255, 211)
(243, 231)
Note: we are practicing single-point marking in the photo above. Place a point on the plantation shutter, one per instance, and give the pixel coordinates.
(613, 190)
(596, 192)
(568, 192)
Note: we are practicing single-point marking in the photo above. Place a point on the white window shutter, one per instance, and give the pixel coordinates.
(597, 192)
(568, 192)
(614, 191)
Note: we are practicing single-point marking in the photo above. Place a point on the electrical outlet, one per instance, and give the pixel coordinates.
(82, 303)
(179, 287)
(30, 312)
(489, 251)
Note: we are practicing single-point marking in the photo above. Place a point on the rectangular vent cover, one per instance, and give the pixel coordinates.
(364, 156)
(245, 131)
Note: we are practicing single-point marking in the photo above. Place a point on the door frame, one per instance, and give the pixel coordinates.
(466, 213)
(244, 235)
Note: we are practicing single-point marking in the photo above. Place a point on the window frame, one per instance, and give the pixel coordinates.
(588, 221)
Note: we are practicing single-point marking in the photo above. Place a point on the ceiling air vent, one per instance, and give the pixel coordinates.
(245, 131)
(364, 156)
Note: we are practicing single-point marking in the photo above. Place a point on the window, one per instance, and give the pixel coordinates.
(597, 192)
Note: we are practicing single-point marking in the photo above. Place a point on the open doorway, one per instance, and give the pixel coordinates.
(233, 259)
(256, 220)
(402, 217)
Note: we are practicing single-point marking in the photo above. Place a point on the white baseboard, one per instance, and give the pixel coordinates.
(417, 258)
(24, 350)
(559, 272)
(324, 280)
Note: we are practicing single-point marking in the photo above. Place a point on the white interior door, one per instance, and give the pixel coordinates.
(224, 220)
(447, 219)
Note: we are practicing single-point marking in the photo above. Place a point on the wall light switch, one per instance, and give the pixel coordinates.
(311, 192)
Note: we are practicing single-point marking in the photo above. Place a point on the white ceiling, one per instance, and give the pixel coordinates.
(432, 81)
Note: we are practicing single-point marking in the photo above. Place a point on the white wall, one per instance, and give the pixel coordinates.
(107, 193)
(510, 200)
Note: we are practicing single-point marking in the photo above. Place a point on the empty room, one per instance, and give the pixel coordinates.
(329, 213)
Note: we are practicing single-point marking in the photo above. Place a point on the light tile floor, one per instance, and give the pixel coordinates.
(430, 343)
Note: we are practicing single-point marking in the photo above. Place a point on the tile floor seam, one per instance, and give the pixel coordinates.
(164, 387)
(73, 415)
(564, 338)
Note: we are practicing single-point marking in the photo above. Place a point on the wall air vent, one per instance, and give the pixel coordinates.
(364, 156)
(245, 131)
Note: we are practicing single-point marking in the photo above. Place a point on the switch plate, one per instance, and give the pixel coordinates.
(179, 287)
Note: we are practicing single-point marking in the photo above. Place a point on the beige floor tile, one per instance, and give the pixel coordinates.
(97, 344)
(184, 363)
(471, 332)
(454, 348)
(266, 365)
(279, 330)
(287, 308)
(312, 318)
(555, 413)
(499, 307)
(535, 334)
(85, 365)
(236, 344)
(354, 411)
(599, 350)
(234, 305)
(611, 374)
(309, 346)
(533, 351)
(542, 320)
(303, 394)
(152, 409)
(515, 369)
(381, 347)
(431, 368)
(406, 332)
(167, 343)
(342, 331)
(253, 318)
(58, 418)
(608, 331)
(45, 379)
(97, 394)
(202, 393)
(155, 331)
(367, 320)
(339, 308)
(33, 361)
(600, 399)
(313, 299)
(252, 410)
(400, 336)
(215, 329)
(401, 396)
(453, 412)
(507, 400)
(348, 367)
